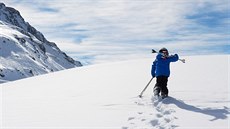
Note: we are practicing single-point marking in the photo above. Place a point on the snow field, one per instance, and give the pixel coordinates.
(106, 96)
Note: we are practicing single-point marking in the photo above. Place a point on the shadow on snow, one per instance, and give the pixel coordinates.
(216, 113)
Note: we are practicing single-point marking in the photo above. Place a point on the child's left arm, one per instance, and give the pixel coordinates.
(173, 58)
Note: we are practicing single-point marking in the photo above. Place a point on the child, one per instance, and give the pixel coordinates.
(161, 70)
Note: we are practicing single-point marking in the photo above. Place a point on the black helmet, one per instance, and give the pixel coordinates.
(164, 50)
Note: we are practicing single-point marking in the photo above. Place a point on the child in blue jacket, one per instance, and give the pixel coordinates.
(161, 70)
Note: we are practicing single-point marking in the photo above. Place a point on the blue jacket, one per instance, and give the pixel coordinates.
(161, 66)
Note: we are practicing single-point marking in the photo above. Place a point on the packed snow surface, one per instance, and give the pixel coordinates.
(105, 96)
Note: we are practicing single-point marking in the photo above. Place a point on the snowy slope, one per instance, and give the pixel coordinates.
(24, 51)
(105, 97)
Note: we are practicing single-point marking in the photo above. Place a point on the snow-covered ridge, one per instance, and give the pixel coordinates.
(13, 17)
(105, 96)
(24, 51)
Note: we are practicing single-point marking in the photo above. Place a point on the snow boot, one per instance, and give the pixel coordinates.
(163, 95)
(156, 91)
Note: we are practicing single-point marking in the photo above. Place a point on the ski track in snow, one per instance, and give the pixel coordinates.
(158, 116)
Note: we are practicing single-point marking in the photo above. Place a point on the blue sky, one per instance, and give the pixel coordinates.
(97, 31)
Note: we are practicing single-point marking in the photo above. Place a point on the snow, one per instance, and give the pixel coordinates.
(23, 56)
(105, 96)
(24, 51)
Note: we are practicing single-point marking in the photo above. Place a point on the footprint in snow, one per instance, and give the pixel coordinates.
(159, 115)
(154, 122)
(131, 118)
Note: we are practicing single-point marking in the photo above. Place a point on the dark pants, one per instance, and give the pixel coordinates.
(161, 85)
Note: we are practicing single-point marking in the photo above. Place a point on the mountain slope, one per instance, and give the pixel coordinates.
(24, 51)
(105, 96)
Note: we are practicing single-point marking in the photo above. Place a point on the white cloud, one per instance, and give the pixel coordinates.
(100, 27)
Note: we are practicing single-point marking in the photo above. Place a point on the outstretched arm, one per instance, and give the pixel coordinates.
(173, 58)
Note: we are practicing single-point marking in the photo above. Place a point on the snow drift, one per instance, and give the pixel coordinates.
(105, 96)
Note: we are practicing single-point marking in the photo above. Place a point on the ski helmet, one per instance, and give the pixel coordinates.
(164, 50)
